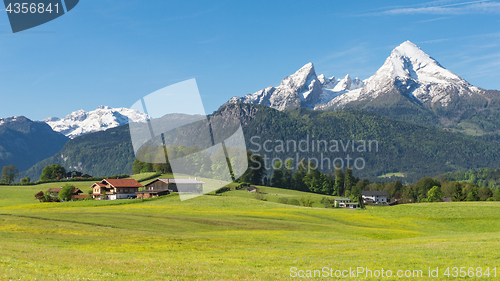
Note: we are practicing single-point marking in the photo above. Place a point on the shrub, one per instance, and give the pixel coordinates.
(260, 196)
(242, 185)
(66, 192)
(40, 196)
(222, 190)
(294, 201)
(306, 202)
(25, 180)
(327, 202)
(283, 200)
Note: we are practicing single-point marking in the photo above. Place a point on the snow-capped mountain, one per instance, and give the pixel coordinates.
(301, 89)
(415, 74)
(409, 69)
(104, 117)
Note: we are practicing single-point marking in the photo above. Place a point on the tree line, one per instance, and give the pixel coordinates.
(307, 178)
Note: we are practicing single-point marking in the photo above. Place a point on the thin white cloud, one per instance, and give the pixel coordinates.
(436, 19)
(475, 7)
(438, 8)
(476, 36)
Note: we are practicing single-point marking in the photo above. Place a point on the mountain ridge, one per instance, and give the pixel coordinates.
(104, 117)
(24, 142)
(414, 150)
(410, 86)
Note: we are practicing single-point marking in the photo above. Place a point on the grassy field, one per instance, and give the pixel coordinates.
(234, 236)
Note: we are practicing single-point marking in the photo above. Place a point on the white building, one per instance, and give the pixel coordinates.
(345, 203)
(375, 197)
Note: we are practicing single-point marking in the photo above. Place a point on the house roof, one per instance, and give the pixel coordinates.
(178, 181)
(56, 189)
(374, 193)
(99, 184)
(122, 182)
(342, 199)
(80, 196)
(154, 191)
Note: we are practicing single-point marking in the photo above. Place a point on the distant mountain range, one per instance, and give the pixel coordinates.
(410, 86)
(102, 153)
(413, 150)
(23, 142)
(104, 117)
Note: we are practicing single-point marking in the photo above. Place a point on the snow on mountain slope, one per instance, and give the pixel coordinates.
(301, 89)
(104, 117)
(415, 74)
(408, 70)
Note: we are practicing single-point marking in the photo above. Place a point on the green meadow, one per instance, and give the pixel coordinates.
(237, 236)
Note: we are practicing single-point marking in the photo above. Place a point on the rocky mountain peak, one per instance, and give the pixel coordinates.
(104, 117)
(408, 70)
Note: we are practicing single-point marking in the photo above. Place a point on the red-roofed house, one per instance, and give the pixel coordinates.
(96, 189)
(54, 191)
(116, 188)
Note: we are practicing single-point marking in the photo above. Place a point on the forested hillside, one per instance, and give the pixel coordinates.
(389, 145)
(482, 177)
(24, 142)
(98, 154)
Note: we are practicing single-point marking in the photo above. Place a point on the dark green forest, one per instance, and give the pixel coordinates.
(413, 150)
(98, 154)
(343, 183)
(482, 177)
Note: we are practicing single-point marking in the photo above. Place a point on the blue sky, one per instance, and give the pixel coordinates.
(113, 52)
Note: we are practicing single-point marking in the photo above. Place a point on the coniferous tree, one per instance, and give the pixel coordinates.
(327, 184)
(298, 177)
(398, 187)
(457, 192)
(256, 169)
(288, 174)
(361, 202)
(277, 177)
(339, 181)
(266, 181)
(313, 179)
(348, 179)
